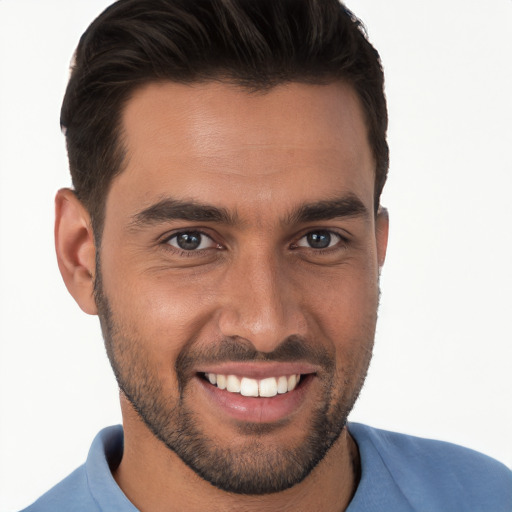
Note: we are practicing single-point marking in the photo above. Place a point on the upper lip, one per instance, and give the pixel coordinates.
(259, 370)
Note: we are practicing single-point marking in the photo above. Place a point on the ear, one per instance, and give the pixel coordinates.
(76, 253)
(381, 234)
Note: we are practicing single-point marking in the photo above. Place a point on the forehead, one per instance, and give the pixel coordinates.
(223, 145)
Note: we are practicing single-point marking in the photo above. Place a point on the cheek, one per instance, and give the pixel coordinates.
(346, 320)
(161, 314)
(168, 310)
(346, 309)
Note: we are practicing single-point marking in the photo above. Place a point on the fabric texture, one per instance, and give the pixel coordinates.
(399, 473)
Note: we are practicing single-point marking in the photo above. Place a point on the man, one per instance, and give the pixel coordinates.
(228, 159)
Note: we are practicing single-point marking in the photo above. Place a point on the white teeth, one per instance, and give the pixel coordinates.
(221, 381)
(282, 385)
(292, 382)
(233, 384)
(268, 387)
(249, 387)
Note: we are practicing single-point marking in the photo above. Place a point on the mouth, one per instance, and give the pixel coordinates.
(257, 394)
(250, 387)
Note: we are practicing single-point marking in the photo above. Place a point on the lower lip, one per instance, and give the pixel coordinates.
(261, 409)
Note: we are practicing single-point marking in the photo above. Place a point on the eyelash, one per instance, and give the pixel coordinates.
(188, 253)
(342, 241)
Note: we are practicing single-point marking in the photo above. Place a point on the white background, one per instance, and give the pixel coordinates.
(442, 365)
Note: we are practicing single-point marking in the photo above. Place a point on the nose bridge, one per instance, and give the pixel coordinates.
(260, 302)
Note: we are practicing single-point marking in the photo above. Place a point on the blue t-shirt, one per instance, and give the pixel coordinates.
(399, 473)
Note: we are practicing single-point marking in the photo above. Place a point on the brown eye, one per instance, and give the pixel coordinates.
(191, 241)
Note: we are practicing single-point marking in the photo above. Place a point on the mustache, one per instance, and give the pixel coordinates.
(234, 349)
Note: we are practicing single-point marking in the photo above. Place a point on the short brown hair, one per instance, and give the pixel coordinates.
(253, 43)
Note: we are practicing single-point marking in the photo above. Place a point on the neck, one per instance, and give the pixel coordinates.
(155, 479)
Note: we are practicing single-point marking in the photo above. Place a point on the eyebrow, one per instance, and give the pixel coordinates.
(169, 209)
(348, 206)
(173, 209)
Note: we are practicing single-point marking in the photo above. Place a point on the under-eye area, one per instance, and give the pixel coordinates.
(246, 386)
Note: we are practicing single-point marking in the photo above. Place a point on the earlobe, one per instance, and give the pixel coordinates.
(76, 253)
(381, 233)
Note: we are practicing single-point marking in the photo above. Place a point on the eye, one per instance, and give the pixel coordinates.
(191, 241)
(321, 239)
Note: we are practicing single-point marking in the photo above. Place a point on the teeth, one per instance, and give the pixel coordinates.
(233, 384)
(292, 382)
(249, 387)
(269, 387)
(221, 381)
(282, 385)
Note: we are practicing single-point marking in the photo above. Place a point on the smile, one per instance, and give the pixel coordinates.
(251, 392)
(246, 386)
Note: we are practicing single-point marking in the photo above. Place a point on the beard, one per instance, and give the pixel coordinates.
(257, 466)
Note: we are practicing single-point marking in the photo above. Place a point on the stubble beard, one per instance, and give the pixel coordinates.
(258, 467)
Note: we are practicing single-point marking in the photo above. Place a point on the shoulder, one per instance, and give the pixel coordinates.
(433, 473)
(91, 487)
(71, 494)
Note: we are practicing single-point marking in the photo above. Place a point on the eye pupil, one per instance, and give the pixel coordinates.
(189, 241)
(319, 239)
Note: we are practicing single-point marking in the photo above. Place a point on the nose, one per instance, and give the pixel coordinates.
(260, 302)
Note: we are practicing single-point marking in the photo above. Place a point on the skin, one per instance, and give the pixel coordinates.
(260, 157)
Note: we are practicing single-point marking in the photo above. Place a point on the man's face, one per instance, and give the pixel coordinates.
(240, 250)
